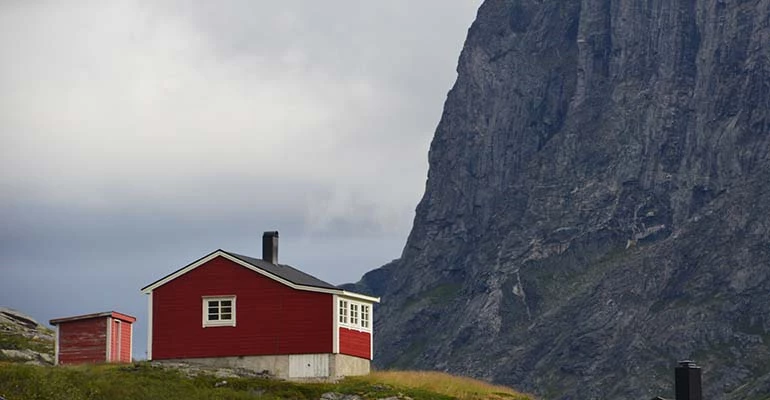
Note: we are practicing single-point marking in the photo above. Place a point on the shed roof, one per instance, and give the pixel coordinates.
(113, 314)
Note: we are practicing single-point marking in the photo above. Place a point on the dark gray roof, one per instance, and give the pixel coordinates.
(284, 271)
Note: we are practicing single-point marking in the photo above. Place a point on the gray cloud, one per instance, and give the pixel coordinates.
(137, 136)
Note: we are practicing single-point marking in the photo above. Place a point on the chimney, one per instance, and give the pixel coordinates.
(687, 381)
(270, 247)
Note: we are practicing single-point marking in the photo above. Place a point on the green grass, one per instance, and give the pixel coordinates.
(142, 381)
(444, 384)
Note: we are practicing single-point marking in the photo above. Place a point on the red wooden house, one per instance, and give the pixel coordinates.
(231, 310)
(94, 338)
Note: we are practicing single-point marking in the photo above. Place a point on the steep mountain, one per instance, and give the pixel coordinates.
(597, 205)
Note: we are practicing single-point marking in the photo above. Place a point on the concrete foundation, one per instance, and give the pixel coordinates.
(344, 365)
(292, 367)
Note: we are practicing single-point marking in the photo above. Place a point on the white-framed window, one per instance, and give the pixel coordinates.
(365, 312)
(219, 311)
(343, 311)
(355, 315)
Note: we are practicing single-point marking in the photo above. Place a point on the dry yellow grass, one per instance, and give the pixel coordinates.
(455, 386)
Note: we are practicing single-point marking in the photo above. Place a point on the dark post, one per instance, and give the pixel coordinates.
(687, 381)
(270, 247)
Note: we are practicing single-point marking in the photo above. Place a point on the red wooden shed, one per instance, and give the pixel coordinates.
(94, 338)
(230, 310)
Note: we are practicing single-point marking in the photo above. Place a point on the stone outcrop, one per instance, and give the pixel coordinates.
(597, 205)
(23, 339)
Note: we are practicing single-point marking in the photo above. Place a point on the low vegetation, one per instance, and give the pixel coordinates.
(144, 380)
(22, 379)
(445, 384)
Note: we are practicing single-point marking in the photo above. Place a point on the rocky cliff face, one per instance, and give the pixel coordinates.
(597, 205)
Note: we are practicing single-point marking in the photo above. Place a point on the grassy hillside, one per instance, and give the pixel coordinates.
(141, 381)
(25, 345)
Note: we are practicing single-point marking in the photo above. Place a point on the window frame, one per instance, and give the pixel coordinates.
(354, 313)
(209, 323)
(344, 306)
(366, 323)
(351, 313)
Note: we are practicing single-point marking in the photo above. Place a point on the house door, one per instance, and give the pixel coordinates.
(114, 340)
(119, 341)
(308, 365)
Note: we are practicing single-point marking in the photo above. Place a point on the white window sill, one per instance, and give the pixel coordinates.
(356, 328)
(218, 324)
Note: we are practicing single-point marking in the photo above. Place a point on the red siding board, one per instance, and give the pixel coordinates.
(125, 343)
(83, 341)
(271, 318)
(355, 343)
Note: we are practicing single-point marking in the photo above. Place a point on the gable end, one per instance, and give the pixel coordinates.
(240, 260)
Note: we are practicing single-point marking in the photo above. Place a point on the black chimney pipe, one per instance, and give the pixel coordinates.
(687, 381)
(270, 247)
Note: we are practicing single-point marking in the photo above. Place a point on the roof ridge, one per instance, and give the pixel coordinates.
(291, 276)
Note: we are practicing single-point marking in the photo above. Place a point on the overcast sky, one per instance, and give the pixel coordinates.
(138, 136)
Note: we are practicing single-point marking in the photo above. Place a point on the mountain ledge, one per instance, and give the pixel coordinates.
(597, 205)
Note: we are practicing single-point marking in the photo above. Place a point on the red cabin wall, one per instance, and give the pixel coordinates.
(356, 343)
(83, 341)
(271, 318)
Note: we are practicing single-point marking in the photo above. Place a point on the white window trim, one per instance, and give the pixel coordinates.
(218, 323)
(353, 313)
(368, 316)
(348, 319)
(149, 327)
(335, 325)
(118, 345)
(56, 345)
(344, 311)
(131, 343)
(108, 350)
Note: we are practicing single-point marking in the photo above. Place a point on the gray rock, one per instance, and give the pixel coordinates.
(339, 396)
(29, 341)
(20, 355)
(597, 205)
(11, 316)
(46, 358)
(192, 369)
(27, 356)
